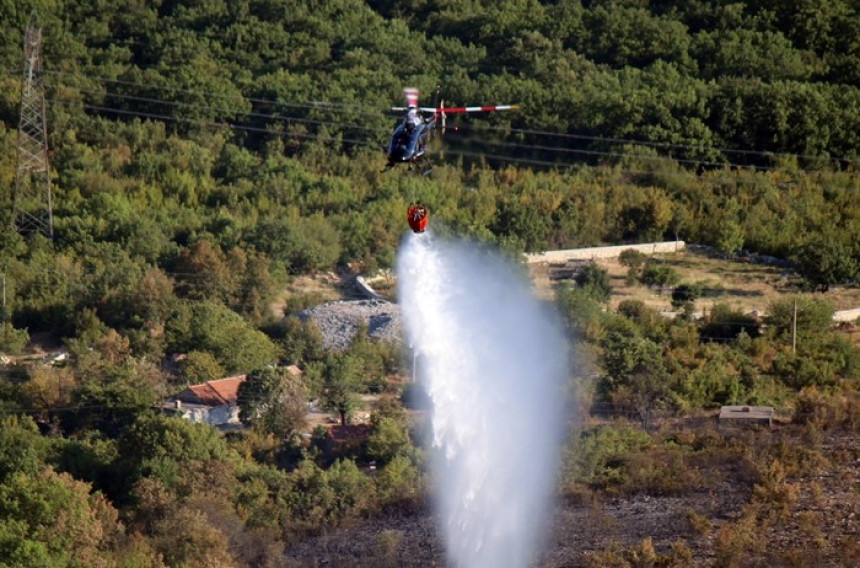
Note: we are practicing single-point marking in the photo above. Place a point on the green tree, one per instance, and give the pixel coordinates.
(388, 439)
(301, 340)
(49, 519)
(22, 447)
(659, 275)
(274, 401)
(343, 379)
(632, 259)
(212, 327)
(723, 323)
(813, 315)
(12, 341)
(630, 363)
(201, 366)
(583, 314)
(826, 261)
(158, 446)
(685, 295)
(730, 237)
(594, 281)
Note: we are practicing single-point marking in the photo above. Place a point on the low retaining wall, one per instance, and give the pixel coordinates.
(561, 256)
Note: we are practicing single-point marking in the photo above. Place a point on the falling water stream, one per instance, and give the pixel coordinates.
(493, 361)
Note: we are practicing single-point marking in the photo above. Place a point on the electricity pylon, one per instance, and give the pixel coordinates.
(32, 196)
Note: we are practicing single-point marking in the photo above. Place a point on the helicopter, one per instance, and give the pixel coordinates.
(412, 135)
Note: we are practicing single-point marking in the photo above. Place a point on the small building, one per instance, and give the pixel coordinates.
(746, 415)
(212, 402)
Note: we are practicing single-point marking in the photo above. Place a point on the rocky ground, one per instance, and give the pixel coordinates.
(338, 321)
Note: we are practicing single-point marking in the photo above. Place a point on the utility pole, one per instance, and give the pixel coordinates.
(3, 315)
(32, 197)
(794, 328)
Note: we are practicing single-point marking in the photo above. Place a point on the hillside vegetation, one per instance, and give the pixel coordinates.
(209, 157)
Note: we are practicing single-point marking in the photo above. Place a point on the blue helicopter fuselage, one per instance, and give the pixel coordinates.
(408, 144)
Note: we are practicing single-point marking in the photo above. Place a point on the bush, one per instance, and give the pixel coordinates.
(594, 281)
(659, 275)
(13, 341)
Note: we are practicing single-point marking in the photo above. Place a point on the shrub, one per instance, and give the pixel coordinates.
(659, 275)
(13, 340)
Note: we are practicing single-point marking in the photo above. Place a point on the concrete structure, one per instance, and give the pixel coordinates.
(847, 315)
(562, 256)
(746, 415)
(366, 289)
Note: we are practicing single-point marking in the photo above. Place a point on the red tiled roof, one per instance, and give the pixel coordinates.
(215, 393)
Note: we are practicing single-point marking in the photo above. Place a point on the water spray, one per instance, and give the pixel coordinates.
(494, 363)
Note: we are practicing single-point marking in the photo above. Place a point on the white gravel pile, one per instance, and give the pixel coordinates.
(338, 321)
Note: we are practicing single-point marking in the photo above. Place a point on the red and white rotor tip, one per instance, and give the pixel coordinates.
(411, 94)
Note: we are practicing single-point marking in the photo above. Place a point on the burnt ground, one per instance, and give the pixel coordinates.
(578, 532)
(809, 518)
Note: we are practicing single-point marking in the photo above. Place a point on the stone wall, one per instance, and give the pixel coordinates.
(562, 256)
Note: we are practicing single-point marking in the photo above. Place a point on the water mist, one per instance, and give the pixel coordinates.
(493, 361)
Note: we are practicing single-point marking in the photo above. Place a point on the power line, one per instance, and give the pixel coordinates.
(211, 123)
(328, 105)
(278, 117)
(495, 157)
(463, 153)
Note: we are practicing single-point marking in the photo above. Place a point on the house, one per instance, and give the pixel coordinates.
(212, 402)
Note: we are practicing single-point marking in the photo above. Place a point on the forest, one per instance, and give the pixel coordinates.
(206, 154)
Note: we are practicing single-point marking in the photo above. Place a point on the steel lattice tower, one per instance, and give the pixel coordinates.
(32, 197)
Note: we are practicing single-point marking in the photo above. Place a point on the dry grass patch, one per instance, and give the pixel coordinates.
(750, 287)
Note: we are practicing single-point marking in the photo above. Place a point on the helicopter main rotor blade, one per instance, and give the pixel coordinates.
(486, 108)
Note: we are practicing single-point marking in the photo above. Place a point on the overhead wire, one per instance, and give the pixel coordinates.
(329, 105)
(372, 143)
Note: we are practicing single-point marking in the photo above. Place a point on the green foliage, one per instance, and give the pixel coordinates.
(592, 455)
(212, 327)
(49, 519)
(582, 313)
(650, 322)
(399, 482)
(342, 381)
(157, 446)
(632, 259)
(685, 295)
(22, 448)
(388, 440)
(723, 323)
(274, 401)
(659, 275)
(625, 356)
(594, 281)
(12, 341)
(301, 340)
(826, 261)
(730, 238)
(201, 366)
(812, 315)
(327, 497)
(110, 404)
